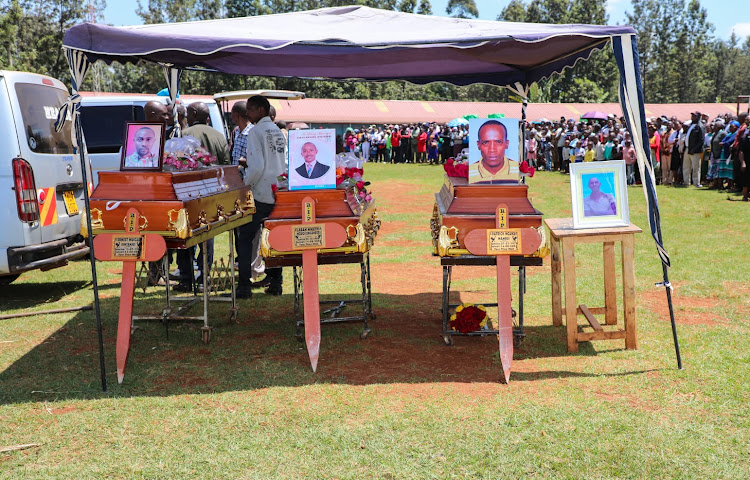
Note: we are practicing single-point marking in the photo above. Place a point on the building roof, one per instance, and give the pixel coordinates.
(318, 110)
(378, 112)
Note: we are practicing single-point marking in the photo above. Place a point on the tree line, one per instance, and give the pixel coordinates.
(681, 58)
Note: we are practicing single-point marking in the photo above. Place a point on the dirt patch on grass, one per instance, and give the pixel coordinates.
(414, 203)
(400, 279)
(62, 411)
(687, 310)
(404, 243)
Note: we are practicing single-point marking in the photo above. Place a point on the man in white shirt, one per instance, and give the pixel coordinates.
(266, 160)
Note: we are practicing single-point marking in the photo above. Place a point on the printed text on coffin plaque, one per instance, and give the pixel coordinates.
(504, 242)
(308, 236)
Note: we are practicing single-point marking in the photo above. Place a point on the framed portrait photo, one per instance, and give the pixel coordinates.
(494, 150)
(599, 194)
(142, 146)
(312, 159)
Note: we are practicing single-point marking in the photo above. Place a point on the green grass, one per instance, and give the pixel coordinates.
(398, 405)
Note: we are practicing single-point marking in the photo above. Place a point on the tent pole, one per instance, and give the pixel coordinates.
(92, 259)
(668, 289)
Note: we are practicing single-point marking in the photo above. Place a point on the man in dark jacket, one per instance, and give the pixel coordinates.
(696, 135)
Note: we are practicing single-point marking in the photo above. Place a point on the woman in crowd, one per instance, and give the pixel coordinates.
(433, 146)
(715, 154)
(726, 166)
(422, 145)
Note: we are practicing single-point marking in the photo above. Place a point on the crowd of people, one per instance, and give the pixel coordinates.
(698, 152)
(408, 143)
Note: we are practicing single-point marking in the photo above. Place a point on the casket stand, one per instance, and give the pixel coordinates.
(187, 209)
(459, 209)
(361, 223)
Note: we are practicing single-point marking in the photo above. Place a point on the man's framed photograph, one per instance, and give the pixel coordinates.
(599, 194)
(494, 150)
(143, 146)
(312, 159)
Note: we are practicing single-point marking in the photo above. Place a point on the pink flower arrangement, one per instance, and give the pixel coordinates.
(184, 161)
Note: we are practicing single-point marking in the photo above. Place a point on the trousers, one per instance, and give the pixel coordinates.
(691, 164)
(247, 233)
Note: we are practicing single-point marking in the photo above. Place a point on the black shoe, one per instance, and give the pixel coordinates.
(241, 292)
(183, 287)
(274, 290)
(261, 283)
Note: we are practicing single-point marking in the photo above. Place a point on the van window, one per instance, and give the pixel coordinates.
(39, 107)
(104, 126)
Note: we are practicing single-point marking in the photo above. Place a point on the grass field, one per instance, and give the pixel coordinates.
(400, 404)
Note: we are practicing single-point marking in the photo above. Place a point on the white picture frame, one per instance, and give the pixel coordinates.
(318, 146)
(599, 194)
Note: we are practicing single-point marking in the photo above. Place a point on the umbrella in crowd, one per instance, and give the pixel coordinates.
(594, 116)
(496, 115)
(458, 122)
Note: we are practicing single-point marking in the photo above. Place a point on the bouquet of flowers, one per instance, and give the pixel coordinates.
(469, 318)
(186, 153)
(526, 169)
(349, 176)
(282, 183)
(456, 167)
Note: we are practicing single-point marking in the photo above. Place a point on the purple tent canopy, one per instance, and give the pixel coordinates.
(352, 42)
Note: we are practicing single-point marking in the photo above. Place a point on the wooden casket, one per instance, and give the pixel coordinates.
(461, 208)
(186, 208)
(339, 206)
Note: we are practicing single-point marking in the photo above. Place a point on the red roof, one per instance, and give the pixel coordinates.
(366, 112)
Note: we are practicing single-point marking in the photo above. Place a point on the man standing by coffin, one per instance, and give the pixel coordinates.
(265, 162)
(215, 143)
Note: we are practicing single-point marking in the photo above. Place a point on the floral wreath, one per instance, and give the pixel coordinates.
(469, 318)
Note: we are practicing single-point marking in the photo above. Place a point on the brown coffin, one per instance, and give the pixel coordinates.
(186, 208)
(461, 208)
(331, 206)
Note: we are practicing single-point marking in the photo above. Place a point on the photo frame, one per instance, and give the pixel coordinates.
(599, 194)
(143, 146)
(312, 159)
(491, 145)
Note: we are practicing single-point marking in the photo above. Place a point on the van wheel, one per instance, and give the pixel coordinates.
(8, 279)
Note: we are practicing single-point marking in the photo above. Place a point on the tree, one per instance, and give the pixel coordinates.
(515, 11)
(462, 9)
(424, 8)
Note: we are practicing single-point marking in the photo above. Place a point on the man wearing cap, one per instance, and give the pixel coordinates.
(691, 164)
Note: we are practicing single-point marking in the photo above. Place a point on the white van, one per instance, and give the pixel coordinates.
(103, 117)
(41, 187)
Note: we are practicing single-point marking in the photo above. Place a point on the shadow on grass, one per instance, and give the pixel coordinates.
(260, 350)
(27, 295)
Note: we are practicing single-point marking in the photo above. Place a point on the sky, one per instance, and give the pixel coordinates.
(723, 14)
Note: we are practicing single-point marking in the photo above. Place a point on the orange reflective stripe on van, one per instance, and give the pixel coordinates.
(47, 206)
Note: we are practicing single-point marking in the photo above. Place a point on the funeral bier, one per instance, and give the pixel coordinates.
(186, 208)
(340, 206)
(461, 208)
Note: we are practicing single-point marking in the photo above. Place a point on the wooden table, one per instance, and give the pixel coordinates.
(563, 239)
